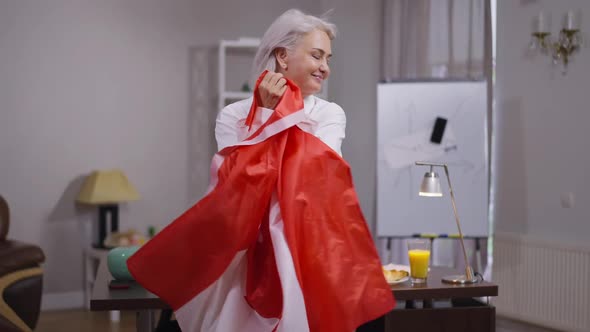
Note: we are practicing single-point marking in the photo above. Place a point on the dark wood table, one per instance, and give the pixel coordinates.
(135, 298)
(431, 307)
(439, 307)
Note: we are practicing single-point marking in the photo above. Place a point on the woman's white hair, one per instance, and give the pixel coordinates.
(285, 32)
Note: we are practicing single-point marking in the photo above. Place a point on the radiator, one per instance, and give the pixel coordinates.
(541, 282)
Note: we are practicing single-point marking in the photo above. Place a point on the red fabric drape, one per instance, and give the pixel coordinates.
(335, 260)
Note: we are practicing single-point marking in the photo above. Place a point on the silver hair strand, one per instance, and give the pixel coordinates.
(284, 32)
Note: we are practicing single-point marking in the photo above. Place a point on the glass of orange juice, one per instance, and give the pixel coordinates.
(419, 254)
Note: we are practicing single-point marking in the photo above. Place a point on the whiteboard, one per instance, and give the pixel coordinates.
(406, 113)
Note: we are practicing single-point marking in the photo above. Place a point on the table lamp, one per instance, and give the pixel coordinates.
(430, 187)
(106, 189)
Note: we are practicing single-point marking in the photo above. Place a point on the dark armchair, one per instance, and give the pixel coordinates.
(21, 279)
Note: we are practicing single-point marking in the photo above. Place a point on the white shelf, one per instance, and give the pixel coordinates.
(223, 94)
(92, 258)
(242, 42)
(235, 95)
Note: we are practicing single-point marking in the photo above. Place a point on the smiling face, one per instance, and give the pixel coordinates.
(307, 65)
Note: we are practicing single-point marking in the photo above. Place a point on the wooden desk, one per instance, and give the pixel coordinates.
(438, 307)
(432, 307)
(135, 298)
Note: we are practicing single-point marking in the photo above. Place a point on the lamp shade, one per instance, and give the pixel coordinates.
(107, 187)
(430, 186)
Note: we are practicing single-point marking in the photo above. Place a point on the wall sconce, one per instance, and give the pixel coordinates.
(562, 48)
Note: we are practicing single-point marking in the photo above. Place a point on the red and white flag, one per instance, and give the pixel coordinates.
(279, 243)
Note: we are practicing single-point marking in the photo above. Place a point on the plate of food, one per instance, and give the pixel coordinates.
(395, 273)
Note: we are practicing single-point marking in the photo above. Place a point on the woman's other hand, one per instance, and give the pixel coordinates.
(271, 89)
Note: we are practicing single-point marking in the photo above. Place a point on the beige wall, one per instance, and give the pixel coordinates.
(541, 123)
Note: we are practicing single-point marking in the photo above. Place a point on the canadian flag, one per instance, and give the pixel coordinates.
(279, 243)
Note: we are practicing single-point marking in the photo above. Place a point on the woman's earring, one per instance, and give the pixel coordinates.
(284, 65)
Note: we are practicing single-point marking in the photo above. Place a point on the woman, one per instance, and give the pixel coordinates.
(295, 47)
(279, 242)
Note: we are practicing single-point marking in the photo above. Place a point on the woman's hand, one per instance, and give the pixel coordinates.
(271, 89)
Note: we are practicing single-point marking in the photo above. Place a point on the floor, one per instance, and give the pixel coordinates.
(88, 321)
(83, 320)
(505, 325)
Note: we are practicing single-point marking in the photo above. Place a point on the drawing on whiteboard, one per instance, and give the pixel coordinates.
(406, 122)
(403, 151)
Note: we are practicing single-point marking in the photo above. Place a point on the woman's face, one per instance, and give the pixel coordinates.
(308, 64)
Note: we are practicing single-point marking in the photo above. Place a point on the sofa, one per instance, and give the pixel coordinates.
(21, 279)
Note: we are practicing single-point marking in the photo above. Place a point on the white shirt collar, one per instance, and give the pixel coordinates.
(308, 104)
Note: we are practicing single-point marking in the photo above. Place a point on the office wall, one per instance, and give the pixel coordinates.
(541, 124)
(353, 85)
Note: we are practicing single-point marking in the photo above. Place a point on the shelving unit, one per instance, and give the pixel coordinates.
(224, 94)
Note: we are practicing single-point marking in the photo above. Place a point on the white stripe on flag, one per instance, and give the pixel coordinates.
(222, 307)
(294, 314)
(274, 128)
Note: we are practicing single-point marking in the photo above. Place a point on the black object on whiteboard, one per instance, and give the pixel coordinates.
(438, 130)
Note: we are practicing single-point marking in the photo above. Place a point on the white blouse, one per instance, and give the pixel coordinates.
(325, 120)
